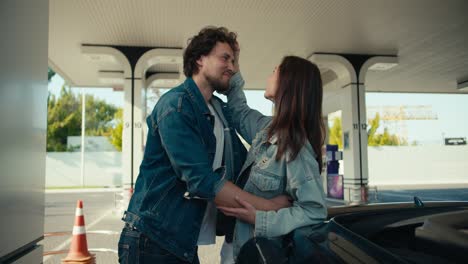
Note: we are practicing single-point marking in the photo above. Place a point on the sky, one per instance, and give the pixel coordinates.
(451, 110)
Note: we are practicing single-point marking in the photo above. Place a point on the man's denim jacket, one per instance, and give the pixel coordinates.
(176, 178)
(299, 178)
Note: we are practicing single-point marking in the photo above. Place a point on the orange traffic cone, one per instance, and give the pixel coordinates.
(79, 247)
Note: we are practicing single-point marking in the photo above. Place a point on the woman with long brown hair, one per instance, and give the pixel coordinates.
(285, 154)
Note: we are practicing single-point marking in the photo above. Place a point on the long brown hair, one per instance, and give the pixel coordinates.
(298, 108)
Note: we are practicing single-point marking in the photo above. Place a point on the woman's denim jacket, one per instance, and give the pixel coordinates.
(176, 178)
(299, 178)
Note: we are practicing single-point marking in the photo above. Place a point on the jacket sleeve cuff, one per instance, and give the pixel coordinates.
(261, 223)
(237, 81)
(215, 186)
(219, 185)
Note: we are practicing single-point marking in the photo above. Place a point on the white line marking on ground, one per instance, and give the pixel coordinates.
(64, 244)
(92, 190)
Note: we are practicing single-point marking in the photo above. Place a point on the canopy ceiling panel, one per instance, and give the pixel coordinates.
(430, 37)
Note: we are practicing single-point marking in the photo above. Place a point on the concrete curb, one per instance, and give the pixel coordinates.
(91, 190)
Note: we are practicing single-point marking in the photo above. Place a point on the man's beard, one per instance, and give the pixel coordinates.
(217, 84)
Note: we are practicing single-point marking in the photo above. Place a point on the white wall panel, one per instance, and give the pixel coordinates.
(418, 165)
(23, 118)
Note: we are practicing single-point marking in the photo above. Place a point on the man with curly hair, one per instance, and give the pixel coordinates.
(192, 157)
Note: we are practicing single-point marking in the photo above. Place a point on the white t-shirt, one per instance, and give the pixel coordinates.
(207, 234)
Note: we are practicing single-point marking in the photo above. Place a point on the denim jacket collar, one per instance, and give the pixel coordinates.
(192, 89)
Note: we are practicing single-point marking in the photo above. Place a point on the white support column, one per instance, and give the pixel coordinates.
(354, 142)
(146, 61)
(117, 78)
(350, 98)
(127, 134)
(376, 63)
(83, 136)
(138, 123)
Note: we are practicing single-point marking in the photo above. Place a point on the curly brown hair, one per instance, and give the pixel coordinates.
(202, 44)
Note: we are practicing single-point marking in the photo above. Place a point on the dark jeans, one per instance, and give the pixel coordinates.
(135, 247)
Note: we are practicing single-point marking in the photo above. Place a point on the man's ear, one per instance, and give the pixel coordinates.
(201, 61)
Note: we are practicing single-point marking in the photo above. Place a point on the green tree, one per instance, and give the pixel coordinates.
(335, 133)
(64, 118)
(384, 139)
(99, 115)
(116, 132)
(373, 138)
(371, 133)
(50, 74)
(387, 139)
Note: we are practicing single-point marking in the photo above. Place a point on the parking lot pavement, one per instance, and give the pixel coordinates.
(103, 222)
(103, 225)
(402, 194)
(426, 195)
(100, 215)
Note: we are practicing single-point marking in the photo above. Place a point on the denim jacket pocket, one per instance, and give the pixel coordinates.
(264, 180)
